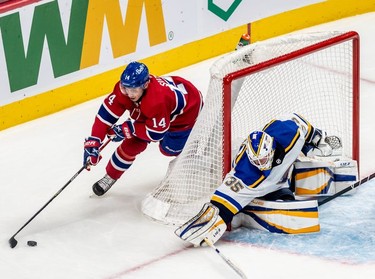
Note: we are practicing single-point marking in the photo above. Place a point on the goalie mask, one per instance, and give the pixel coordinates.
(260, 148)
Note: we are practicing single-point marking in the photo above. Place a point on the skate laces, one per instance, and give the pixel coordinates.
(106, 182)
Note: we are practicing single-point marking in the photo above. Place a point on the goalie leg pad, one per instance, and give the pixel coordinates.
(293, 217)
(206, 224)
(323, 178)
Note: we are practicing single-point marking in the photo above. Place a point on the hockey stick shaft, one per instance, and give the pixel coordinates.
(227, 260)
(347, 189)
(12, 240)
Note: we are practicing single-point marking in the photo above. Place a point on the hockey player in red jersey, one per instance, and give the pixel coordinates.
(161, 109)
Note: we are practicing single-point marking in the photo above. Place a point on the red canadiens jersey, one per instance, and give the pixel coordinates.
(168, 104)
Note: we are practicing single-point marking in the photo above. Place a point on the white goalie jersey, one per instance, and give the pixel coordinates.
(297, 166)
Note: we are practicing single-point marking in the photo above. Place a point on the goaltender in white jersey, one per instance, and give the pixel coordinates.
(261, 169)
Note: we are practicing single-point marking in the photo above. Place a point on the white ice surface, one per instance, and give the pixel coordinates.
(81, 236)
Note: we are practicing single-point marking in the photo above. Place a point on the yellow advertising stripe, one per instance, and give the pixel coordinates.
(72, 94)
(57, 99)
(81, 91)
(307, 16)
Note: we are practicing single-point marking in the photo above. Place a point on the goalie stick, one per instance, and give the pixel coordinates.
(12, 241)
(227, 260)
(347, 189)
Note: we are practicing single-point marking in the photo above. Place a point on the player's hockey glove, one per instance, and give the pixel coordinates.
(91, 155)
(206, 224)
(323, 145)
(120, 132)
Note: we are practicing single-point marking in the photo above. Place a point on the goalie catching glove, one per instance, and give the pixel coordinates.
(207, 224)
(323, 145)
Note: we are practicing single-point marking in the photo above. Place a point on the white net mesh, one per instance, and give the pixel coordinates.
(317, 85)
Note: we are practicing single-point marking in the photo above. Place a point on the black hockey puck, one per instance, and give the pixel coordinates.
(32, 243)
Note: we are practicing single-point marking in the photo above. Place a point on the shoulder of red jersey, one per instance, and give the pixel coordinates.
(159, 97)
(113, 106)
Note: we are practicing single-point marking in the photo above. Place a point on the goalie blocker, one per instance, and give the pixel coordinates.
(207, 224)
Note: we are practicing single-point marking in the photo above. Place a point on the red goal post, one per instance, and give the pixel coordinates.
(351, 37)
(314, 74)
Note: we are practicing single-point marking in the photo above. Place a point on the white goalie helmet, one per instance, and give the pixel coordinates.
(260, 148)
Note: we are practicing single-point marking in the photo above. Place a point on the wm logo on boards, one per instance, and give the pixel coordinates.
(76, 43)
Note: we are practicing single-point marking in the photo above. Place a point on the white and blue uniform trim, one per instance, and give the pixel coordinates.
(179, 91)
(118, 163)
(107, 116)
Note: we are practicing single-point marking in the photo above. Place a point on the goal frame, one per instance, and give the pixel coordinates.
(229, 78)
(318, 78)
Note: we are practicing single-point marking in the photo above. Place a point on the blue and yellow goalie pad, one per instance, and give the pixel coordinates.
(289, 217)
(323, 177)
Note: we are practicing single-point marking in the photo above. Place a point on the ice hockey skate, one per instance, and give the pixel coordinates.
(103, 185)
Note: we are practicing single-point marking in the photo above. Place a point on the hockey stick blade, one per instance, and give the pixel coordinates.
(227, 260)
(347, 189)
(12, 241)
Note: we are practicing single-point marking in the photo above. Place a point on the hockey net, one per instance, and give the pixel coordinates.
(315, 75)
